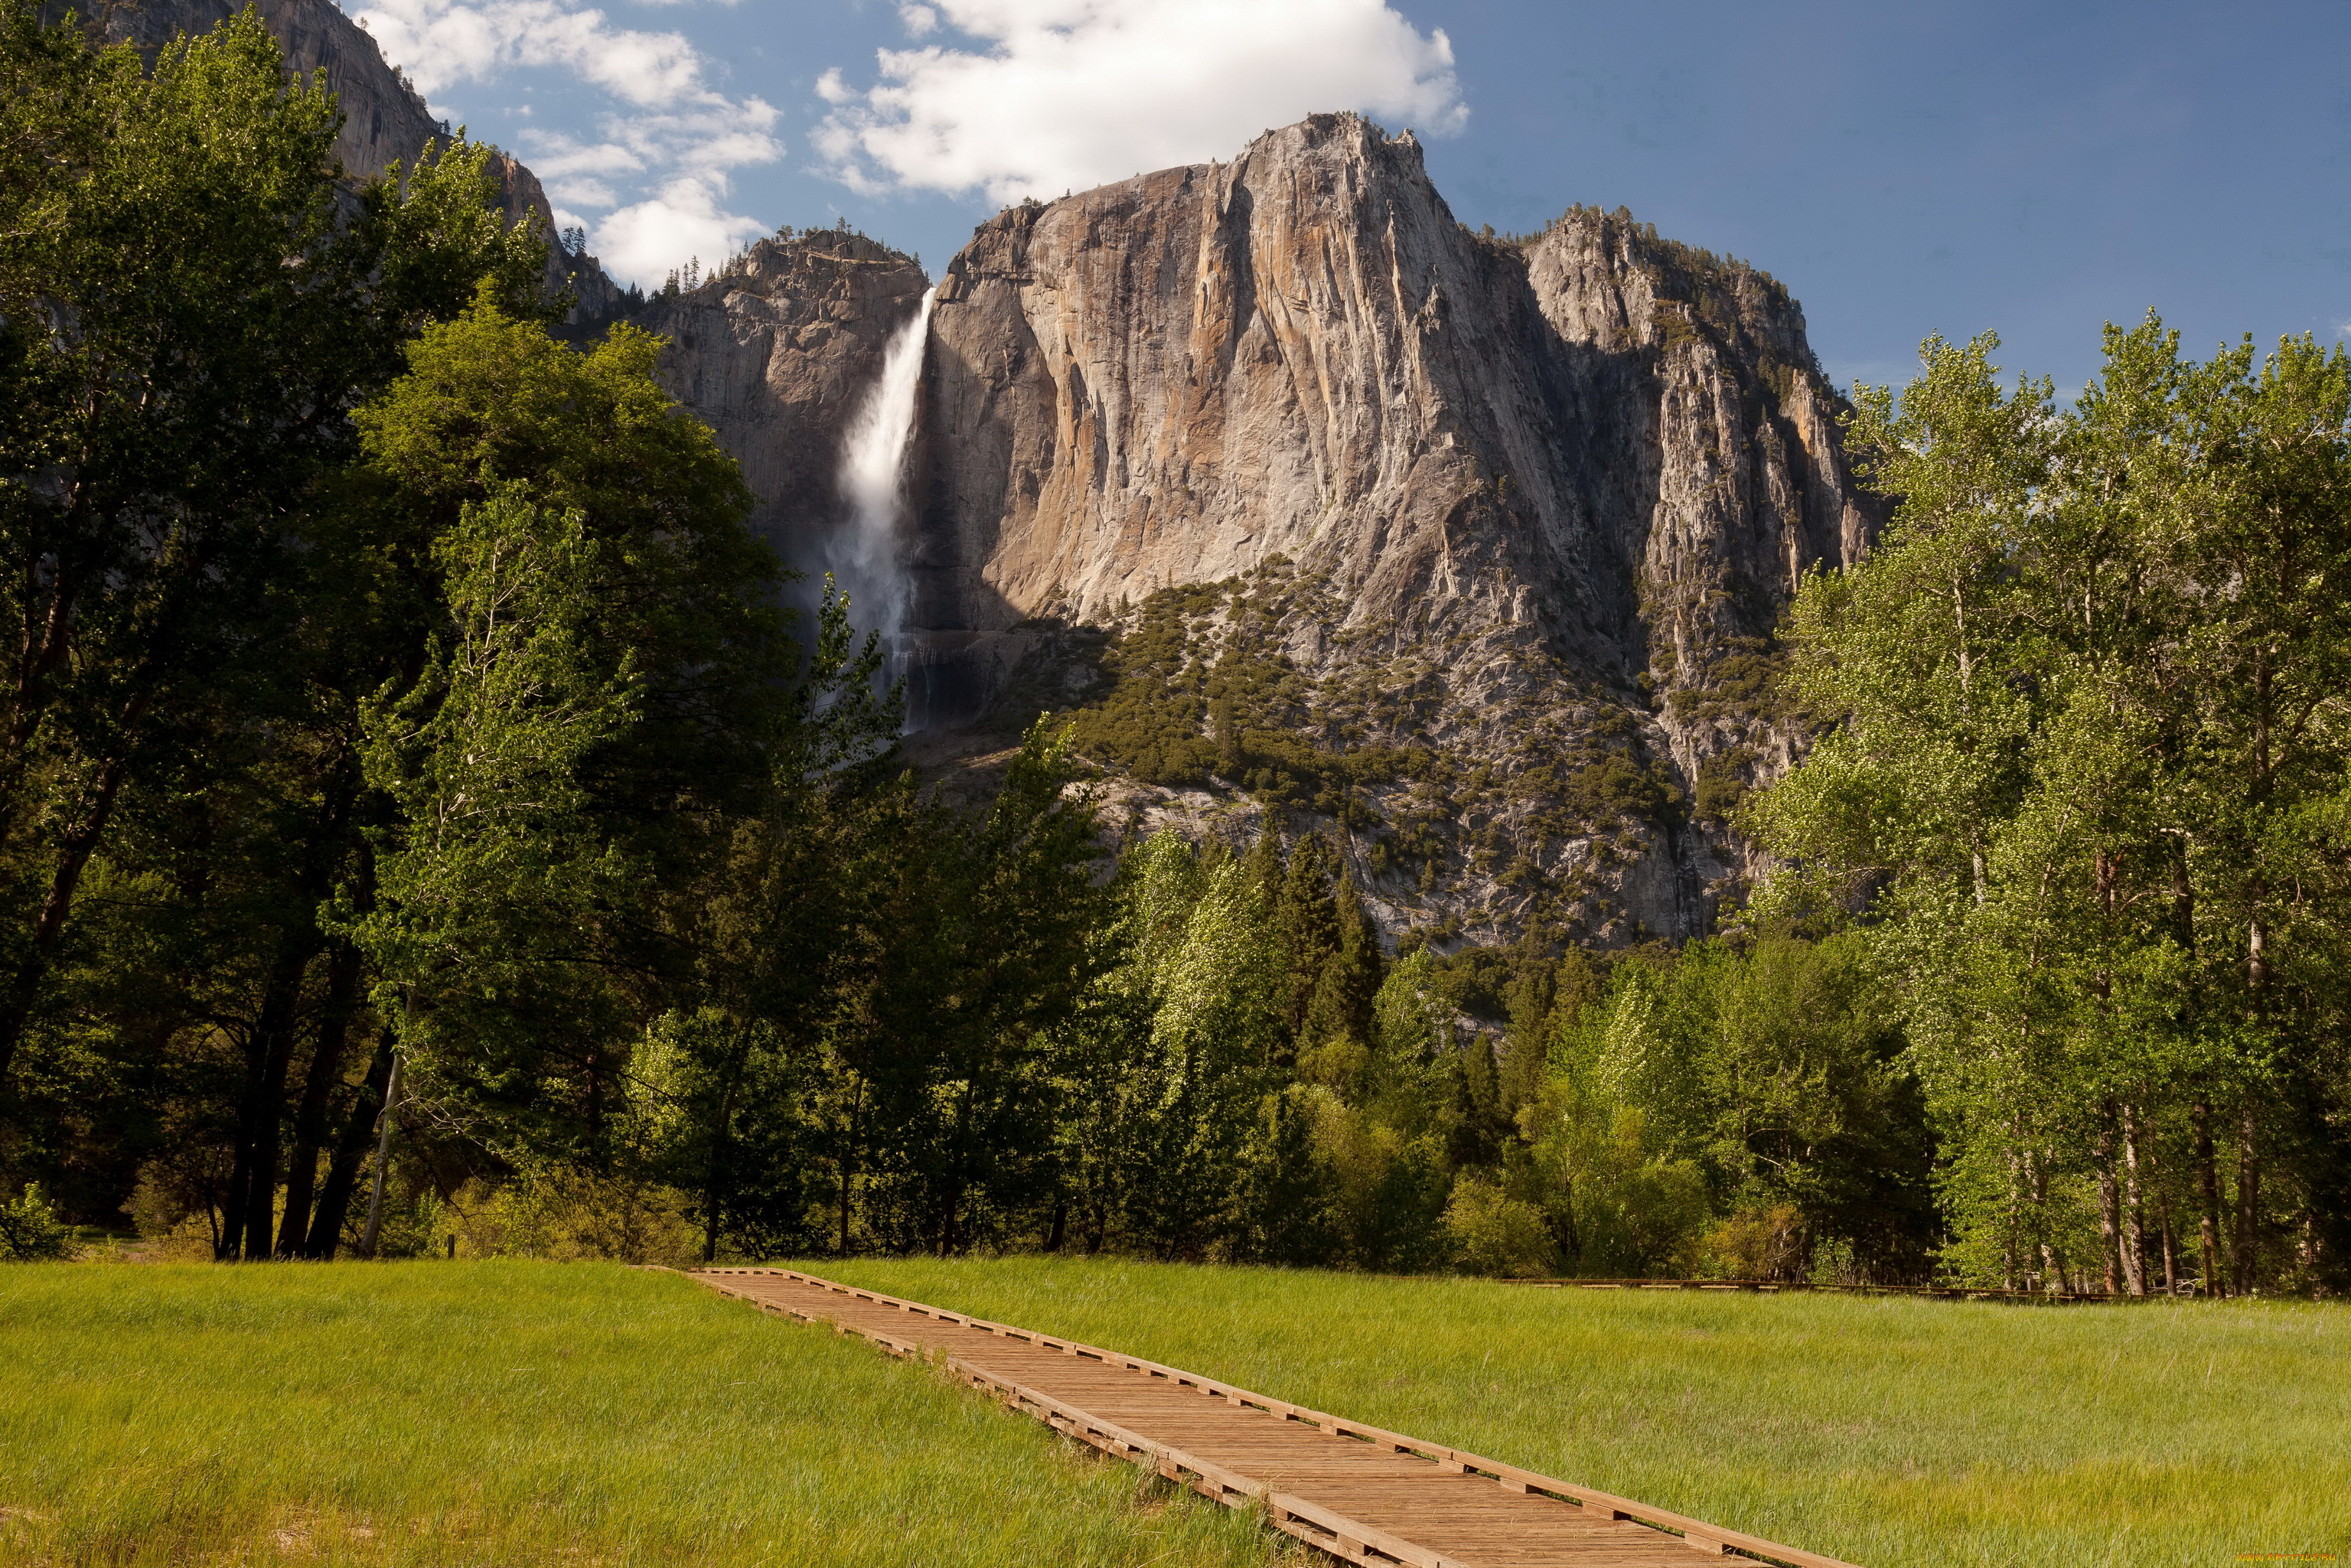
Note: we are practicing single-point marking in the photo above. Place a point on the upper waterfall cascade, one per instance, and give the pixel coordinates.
(866, 559)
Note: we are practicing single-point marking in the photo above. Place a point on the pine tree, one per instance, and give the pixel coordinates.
(1306, 916)
(1337, 1033)
(1266, 861)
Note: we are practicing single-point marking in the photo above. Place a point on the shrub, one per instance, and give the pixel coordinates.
(1617, 786)
(416, 1229)
(30, 1230)
(1721, 785)
(174, 1229)
(1493, 1233)
(1203, 691)
(562, 1213)
(1758, 1243)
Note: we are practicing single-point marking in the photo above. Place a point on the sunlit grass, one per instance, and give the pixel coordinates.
(511, 1413)
(1893, 1433)
(505, 1414)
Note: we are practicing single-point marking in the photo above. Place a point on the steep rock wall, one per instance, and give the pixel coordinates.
(1174, 378)
(775, 352)
(1522, 509)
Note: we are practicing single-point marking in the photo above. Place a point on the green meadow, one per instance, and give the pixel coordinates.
(507, 1414)
(1893, 1433)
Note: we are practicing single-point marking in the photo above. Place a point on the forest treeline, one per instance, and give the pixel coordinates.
(414, 776)
(2083, 777)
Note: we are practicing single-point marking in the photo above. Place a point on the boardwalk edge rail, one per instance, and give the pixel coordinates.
(1309, 1522)
(1806, 1287)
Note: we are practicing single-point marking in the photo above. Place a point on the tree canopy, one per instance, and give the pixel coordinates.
(2083, 783)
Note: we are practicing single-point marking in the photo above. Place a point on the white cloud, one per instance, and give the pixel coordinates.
(440, 43)
(661, 156)
(1072, 93)
(585, 193)
(557, 156)
(684, 219)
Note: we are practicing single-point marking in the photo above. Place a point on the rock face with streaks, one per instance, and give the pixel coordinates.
(1522, 509)
(776, 351)
(1172, 379)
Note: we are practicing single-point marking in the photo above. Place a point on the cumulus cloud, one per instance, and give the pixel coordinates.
(1065, 94)
(683, 219)
(439, 43)
(659, 157)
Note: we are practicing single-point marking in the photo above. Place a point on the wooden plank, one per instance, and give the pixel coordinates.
(1371, 1495)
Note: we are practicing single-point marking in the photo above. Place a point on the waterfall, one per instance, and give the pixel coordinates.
(864, 558)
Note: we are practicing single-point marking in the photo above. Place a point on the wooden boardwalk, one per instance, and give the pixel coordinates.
(1358, 1492)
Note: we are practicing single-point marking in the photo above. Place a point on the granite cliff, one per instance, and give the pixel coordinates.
(776, 351)
(1299, 493)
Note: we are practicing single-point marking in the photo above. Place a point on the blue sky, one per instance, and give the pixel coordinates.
(2035, 170)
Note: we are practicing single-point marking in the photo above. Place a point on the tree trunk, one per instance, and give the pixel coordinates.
(350, 1148)
(951, 1196)
(847, 1174)
(2009, 1259)
(228, 1238)
(44, 653)
(2052, 1263)
(2170, 1248)
(2257, 980)
(344, 967)
(950, 1199)
(847, 1157)
(2207, 1183)
(273, 1051)
(595, 1108)
(382, 1160)
(1575, 1237)
(2109, 1227)
(2133, 1212)
(2248, 1204)
(714, 1196)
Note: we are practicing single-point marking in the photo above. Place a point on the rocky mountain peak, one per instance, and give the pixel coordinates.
(384, 117)
(1513, 515)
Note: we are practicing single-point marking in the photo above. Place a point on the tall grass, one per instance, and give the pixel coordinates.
(515, 1414)
(1893, 1433)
